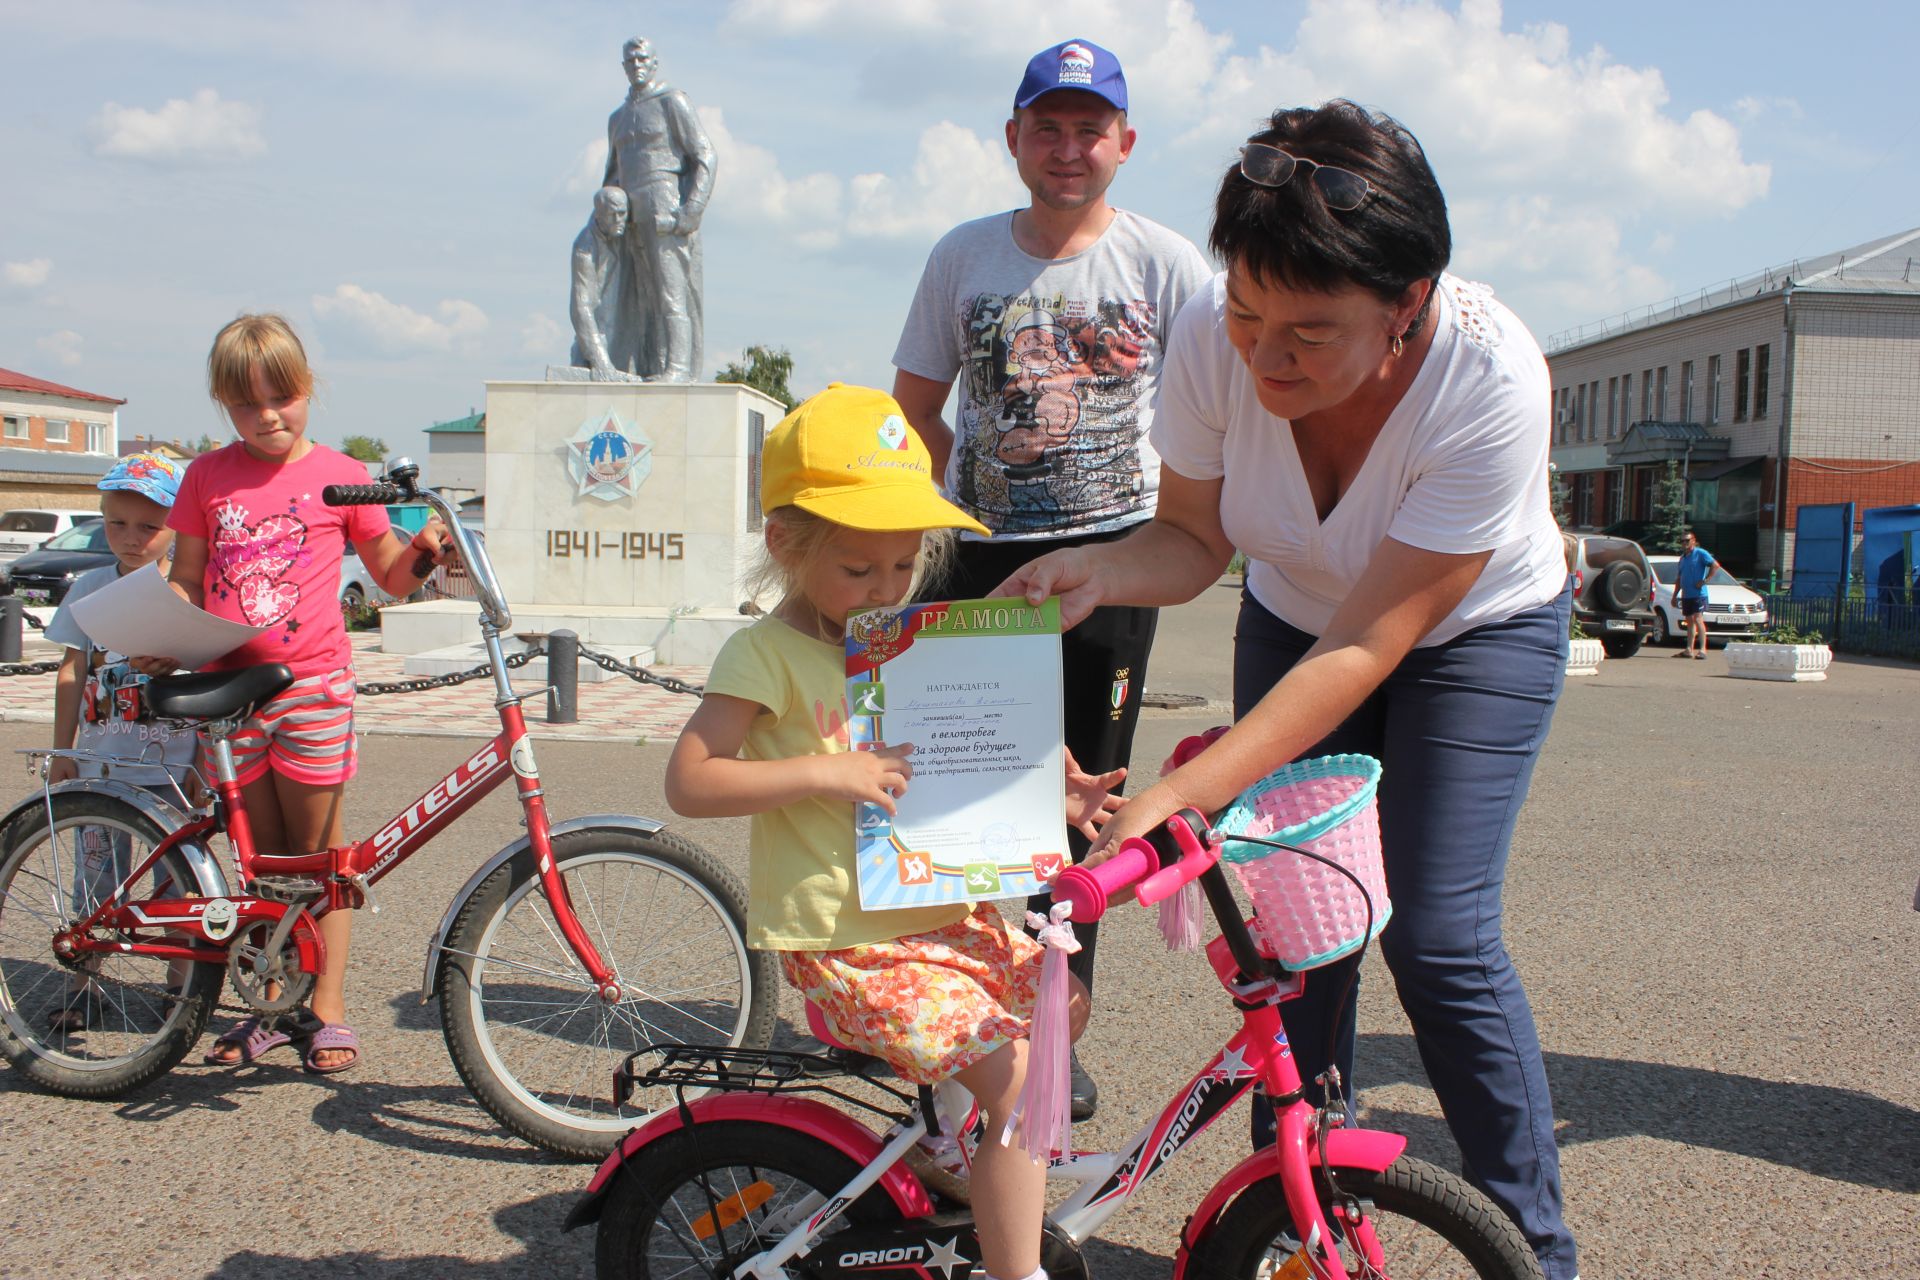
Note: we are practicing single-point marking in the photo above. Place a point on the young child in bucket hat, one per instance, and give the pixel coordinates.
(97, 707)
(853, 521)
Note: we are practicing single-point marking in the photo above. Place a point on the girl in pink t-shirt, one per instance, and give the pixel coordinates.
(255, 543)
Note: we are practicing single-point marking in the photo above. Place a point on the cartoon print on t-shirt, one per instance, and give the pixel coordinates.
(1050, 436)
(252, 561)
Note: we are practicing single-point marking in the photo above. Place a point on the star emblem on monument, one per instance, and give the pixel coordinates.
(608, 461)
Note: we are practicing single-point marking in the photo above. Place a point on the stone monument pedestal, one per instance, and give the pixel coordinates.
(623, 512)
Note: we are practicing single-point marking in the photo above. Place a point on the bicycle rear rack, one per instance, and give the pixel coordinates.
(702, 1067)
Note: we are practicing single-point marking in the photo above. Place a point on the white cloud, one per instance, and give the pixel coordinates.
(30, 274)
(395, 328)
(203, 129)
(956, 175)
(584, 175)
(1752, 107)
(545, 337)
(61, 347)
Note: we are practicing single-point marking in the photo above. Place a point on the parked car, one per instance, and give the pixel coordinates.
(42, 576)
(358, 590)
(23, 529)
(1612, 590)
(1733, 612)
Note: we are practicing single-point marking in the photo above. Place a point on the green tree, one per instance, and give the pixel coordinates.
(763, 369)
(1560, 494)
(205, 444)
(1669, 523)
(364, 448)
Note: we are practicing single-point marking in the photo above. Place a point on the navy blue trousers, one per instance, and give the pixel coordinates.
(1456, 728)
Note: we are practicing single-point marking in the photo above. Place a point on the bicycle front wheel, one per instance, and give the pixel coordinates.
(1429, 1223)
(115, 1020)
(524, 1023)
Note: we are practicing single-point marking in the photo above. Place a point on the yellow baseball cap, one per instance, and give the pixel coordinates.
(847, 455)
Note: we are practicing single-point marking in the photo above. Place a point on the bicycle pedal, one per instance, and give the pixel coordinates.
(289, 889)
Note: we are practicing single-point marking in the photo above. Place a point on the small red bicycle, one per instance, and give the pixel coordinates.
(564, 952)
(756, 1180)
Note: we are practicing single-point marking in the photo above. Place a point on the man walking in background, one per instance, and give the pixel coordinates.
(1054, 319)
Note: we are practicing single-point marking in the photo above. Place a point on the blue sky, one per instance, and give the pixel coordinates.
(404, 180)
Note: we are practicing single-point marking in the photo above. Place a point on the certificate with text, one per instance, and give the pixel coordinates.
(975, 686)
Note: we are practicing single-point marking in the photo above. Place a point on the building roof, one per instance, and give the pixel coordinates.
(49, 462)
(11, 381)
(1666, 442)
(472, 422)
(1890, 265)
(141, 444)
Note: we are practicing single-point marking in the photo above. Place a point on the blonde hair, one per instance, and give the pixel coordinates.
(805, 537)
(264, 342)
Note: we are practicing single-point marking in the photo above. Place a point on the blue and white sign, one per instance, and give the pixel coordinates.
(608, 461)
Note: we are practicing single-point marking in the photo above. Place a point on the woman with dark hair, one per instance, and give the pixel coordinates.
(1372, 433)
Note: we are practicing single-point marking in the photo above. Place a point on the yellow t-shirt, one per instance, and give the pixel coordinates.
(801, 891)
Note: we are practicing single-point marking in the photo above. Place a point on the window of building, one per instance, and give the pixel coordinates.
(1686, 391)
(97, 441)
(1742, 369)
(1713, 389)
(1613, 407)
(16, 427)
(1626, 402)
(57, 431)
(1573, 411)
(1646, 396)
(1761, 362)
(1660, 394)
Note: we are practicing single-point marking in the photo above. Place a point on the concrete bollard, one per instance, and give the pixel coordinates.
(563, 677)
(12, 619)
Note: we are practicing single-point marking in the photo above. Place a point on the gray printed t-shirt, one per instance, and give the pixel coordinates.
(131, 740)
(1059, 361)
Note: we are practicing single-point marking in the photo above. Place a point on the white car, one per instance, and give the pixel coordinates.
(358, 591)
(23, 529)
(1732, 613)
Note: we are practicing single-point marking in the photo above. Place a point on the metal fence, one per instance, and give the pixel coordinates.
(1854, 624)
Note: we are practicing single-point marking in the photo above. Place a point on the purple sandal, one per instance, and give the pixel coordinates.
(253, 1037)
(335, 1036)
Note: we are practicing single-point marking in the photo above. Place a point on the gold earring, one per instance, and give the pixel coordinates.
(1398, 346)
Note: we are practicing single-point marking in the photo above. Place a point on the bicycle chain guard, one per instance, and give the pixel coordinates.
(253, 966)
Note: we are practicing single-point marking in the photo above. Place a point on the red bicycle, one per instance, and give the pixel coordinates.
(565, 952)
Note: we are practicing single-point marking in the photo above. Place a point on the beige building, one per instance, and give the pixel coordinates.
(42, 415)
(1796, 386)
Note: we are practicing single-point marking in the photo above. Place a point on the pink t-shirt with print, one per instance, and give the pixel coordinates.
(274, 551)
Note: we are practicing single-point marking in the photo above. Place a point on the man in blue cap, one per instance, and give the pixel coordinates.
(1054, 318)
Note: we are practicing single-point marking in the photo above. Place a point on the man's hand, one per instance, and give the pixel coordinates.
(62, 769)
(1090, 797)
(154, 666)
(870, 777)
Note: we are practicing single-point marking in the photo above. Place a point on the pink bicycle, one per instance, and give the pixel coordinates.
(755, 1179)
(564, 952)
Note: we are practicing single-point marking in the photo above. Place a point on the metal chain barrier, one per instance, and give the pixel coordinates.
(28, 668)
(421, 684)
(640, 674)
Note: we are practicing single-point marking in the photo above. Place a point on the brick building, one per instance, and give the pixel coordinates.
(1796, 386)
(55, 442)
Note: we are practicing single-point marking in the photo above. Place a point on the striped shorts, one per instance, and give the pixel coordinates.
(306, 733)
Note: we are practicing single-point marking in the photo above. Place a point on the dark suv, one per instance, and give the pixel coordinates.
(1612, 590)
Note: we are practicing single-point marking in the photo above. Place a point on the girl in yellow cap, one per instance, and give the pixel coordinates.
(854, 522)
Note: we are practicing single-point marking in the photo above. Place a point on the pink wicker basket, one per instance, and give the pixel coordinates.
(1307, 913)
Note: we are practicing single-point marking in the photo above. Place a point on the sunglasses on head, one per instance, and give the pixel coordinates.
(1266, 165)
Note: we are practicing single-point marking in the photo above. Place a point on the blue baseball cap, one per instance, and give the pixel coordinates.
(153, 476)
(1073, 64)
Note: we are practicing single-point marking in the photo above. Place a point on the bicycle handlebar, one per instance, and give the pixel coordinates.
(1159, 865)
(362, 495)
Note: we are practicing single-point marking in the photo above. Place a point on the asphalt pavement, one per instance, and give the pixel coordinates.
(1710, 899)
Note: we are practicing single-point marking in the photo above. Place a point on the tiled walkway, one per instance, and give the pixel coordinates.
(619, 710)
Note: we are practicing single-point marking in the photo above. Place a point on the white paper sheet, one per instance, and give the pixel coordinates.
(975, 686)
(140, 615)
